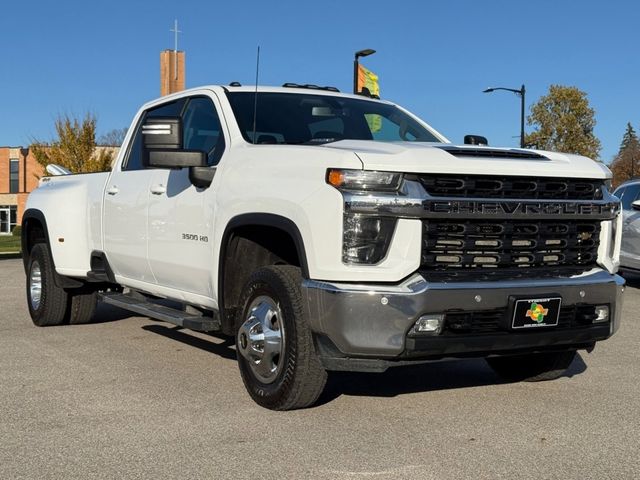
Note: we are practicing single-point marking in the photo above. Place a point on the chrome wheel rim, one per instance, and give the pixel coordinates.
(35, 285)
(261, 338)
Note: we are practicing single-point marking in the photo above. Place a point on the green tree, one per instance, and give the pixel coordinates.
(564, 122)
(75, 147)
(626, 164)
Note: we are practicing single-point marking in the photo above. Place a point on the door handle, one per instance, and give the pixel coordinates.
(113, 190)
(158, 189)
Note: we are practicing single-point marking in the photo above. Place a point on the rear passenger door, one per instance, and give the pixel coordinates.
(180, 223)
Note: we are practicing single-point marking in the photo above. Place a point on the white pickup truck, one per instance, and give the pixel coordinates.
(327, 231)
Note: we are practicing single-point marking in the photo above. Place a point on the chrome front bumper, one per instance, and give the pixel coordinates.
(372, 321)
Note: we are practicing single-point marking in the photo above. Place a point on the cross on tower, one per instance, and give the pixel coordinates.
(176, 32)
(175, 46)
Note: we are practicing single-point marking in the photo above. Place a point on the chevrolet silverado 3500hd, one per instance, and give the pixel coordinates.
(327, 231)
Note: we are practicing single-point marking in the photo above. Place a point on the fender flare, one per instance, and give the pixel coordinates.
(267, 220)
(31, 214)
(264, 220)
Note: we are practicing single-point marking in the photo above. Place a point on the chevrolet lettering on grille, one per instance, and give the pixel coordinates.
(466, 208)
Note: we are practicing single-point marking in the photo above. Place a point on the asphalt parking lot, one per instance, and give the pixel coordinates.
(128, 397)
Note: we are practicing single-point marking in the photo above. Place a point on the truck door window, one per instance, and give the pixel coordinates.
(619, 192)
(201, 129)
(133, 160)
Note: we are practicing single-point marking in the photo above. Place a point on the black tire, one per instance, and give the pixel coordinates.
(51, 306)
(82, 305)
(534, 367)
(297, 378)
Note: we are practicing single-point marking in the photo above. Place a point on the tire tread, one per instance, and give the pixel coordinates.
(82, 306)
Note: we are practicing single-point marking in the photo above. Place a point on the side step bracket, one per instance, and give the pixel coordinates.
(162, 312)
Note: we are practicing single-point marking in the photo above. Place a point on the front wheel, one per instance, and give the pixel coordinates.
(533, 367)
(276, 356)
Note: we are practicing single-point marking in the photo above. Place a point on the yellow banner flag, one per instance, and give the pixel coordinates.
(369, 80)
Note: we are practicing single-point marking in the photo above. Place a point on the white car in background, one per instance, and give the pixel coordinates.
(629, 195)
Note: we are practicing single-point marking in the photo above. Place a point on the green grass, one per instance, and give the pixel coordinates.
(9, 243)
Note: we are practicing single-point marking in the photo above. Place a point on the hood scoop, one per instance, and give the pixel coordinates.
(511, 154)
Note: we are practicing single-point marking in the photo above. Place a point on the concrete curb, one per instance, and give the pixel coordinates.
(10, 255)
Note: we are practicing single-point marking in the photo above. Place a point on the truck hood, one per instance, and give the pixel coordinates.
(414, 157)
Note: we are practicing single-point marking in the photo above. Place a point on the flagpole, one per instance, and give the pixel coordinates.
(360, 53)
(355, 76)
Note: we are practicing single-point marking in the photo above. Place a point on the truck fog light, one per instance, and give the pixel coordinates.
(429, 324)
(602, 313)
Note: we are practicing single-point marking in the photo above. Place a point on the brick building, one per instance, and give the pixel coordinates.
(19, 174)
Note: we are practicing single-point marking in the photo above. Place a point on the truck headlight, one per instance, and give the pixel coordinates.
(366, 238)
(364, 180)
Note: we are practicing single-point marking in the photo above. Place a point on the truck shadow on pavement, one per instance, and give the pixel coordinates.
(225, 349)
(108, 313)
(442, 375)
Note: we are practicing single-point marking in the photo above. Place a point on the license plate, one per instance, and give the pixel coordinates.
(536, 312)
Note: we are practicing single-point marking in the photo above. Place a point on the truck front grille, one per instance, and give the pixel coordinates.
(538, 188)
(514, 248)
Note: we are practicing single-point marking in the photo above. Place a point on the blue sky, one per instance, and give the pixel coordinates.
(434, 58)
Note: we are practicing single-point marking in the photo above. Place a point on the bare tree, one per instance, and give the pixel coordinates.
(113, 138)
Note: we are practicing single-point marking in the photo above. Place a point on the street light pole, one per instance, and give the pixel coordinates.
(521, 92)
(360, 53)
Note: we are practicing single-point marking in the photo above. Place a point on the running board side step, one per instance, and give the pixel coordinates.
(161, 312)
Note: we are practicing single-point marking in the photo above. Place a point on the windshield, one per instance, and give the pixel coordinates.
(294, 118)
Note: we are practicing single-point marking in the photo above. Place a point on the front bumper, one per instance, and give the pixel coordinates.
(370, 324)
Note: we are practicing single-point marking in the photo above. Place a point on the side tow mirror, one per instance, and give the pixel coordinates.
(201, 177)
(635, 205)
(475, 140)
(162, 133)
(162, 140)
(176, 158)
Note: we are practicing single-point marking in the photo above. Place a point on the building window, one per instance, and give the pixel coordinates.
(14, 168)
(8, 214)
(13, 216)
